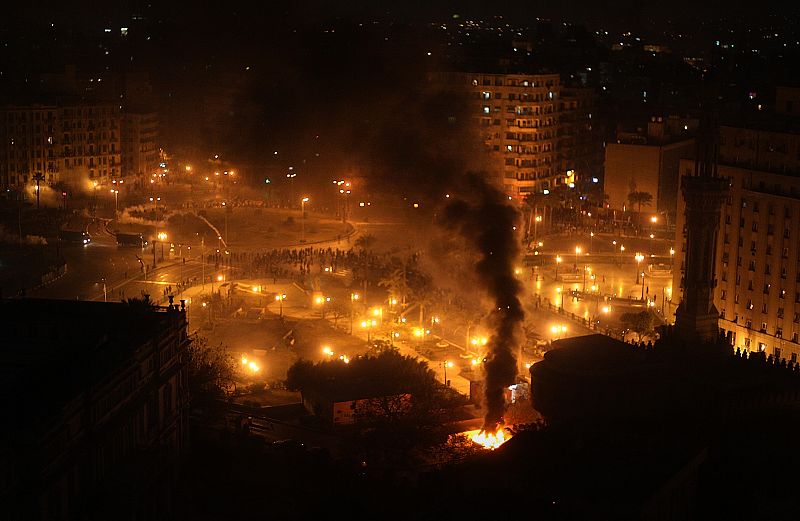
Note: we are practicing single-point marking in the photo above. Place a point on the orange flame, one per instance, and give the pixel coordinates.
(489, 440)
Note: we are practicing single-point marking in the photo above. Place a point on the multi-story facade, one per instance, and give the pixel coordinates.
(580, 147)
(29, 145)
(518, 115)
(103, 417)
(91, 142)
(757, 263)
(538, 131)
(139, 144)
(69, 143)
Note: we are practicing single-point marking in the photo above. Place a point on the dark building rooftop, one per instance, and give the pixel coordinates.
(52, 349)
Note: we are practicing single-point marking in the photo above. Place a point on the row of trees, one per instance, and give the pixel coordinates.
(565, 204)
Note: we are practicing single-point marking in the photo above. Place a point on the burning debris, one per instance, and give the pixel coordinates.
(489, 440)
(482, 215)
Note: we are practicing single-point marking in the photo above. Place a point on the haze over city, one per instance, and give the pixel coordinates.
(401, 260)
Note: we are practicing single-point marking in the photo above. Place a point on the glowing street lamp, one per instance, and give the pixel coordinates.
(116, 202)
(446, 364)
(280, 298)
(578, 251)
(558, 261)
(162, 236)
(353, 298)
(303, 202)
(639, 258)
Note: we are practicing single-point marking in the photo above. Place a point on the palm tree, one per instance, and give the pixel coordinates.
(533, 202)
(396, 283)
(639, 199)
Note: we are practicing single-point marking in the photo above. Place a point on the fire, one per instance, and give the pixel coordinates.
(489, 440)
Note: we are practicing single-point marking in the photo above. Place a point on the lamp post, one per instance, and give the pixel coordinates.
(353, 298)
(671, 259)
(161, 237)
(642, 287)
(558, 261)
(639, 258)
(446, 364)
(280, 298)
(303, 202)
(536, 222)
(560, 291)
(116, 202)
(38, 177)
(578, 251)
(225, 211)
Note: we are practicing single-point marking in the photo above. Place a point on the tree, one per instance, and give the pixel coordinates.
(639, 199)
(338, 310)
(211, 372)
(396, 284)
(641, 323)
(140, 305)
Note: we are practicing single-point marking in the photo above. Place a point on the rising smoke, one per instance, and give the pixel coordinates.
(423, 144)
(483, 217)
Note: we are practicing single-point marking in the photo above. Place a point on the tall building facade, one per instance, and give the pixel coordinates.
(74, 144)
(757, 263)
(139, 144)
(29, 145)
(537, 138)
(90, 142)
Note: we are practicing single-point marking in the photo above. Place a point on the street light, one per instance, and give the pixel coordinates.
(303, 202)
(642, 286)
(578, 251)
(639, 258)
(162, 237)
(280, 298)
(116, 202)
(558, 261)
(591, 242)
(536, 222)
(353, 298)
(446, 364)
(560, 291)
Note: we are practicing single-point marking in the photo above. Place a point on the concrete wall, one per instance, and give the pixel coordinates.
(624, 163)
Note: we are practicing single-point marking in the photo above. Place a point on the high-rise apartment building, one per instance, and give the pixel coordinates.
(91, 142)
(538, 138)
(139, 144)
(29, 145)
(69, 143)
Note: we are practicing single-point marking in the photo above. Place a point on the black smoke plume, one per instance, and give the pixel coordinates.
(482, 216)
